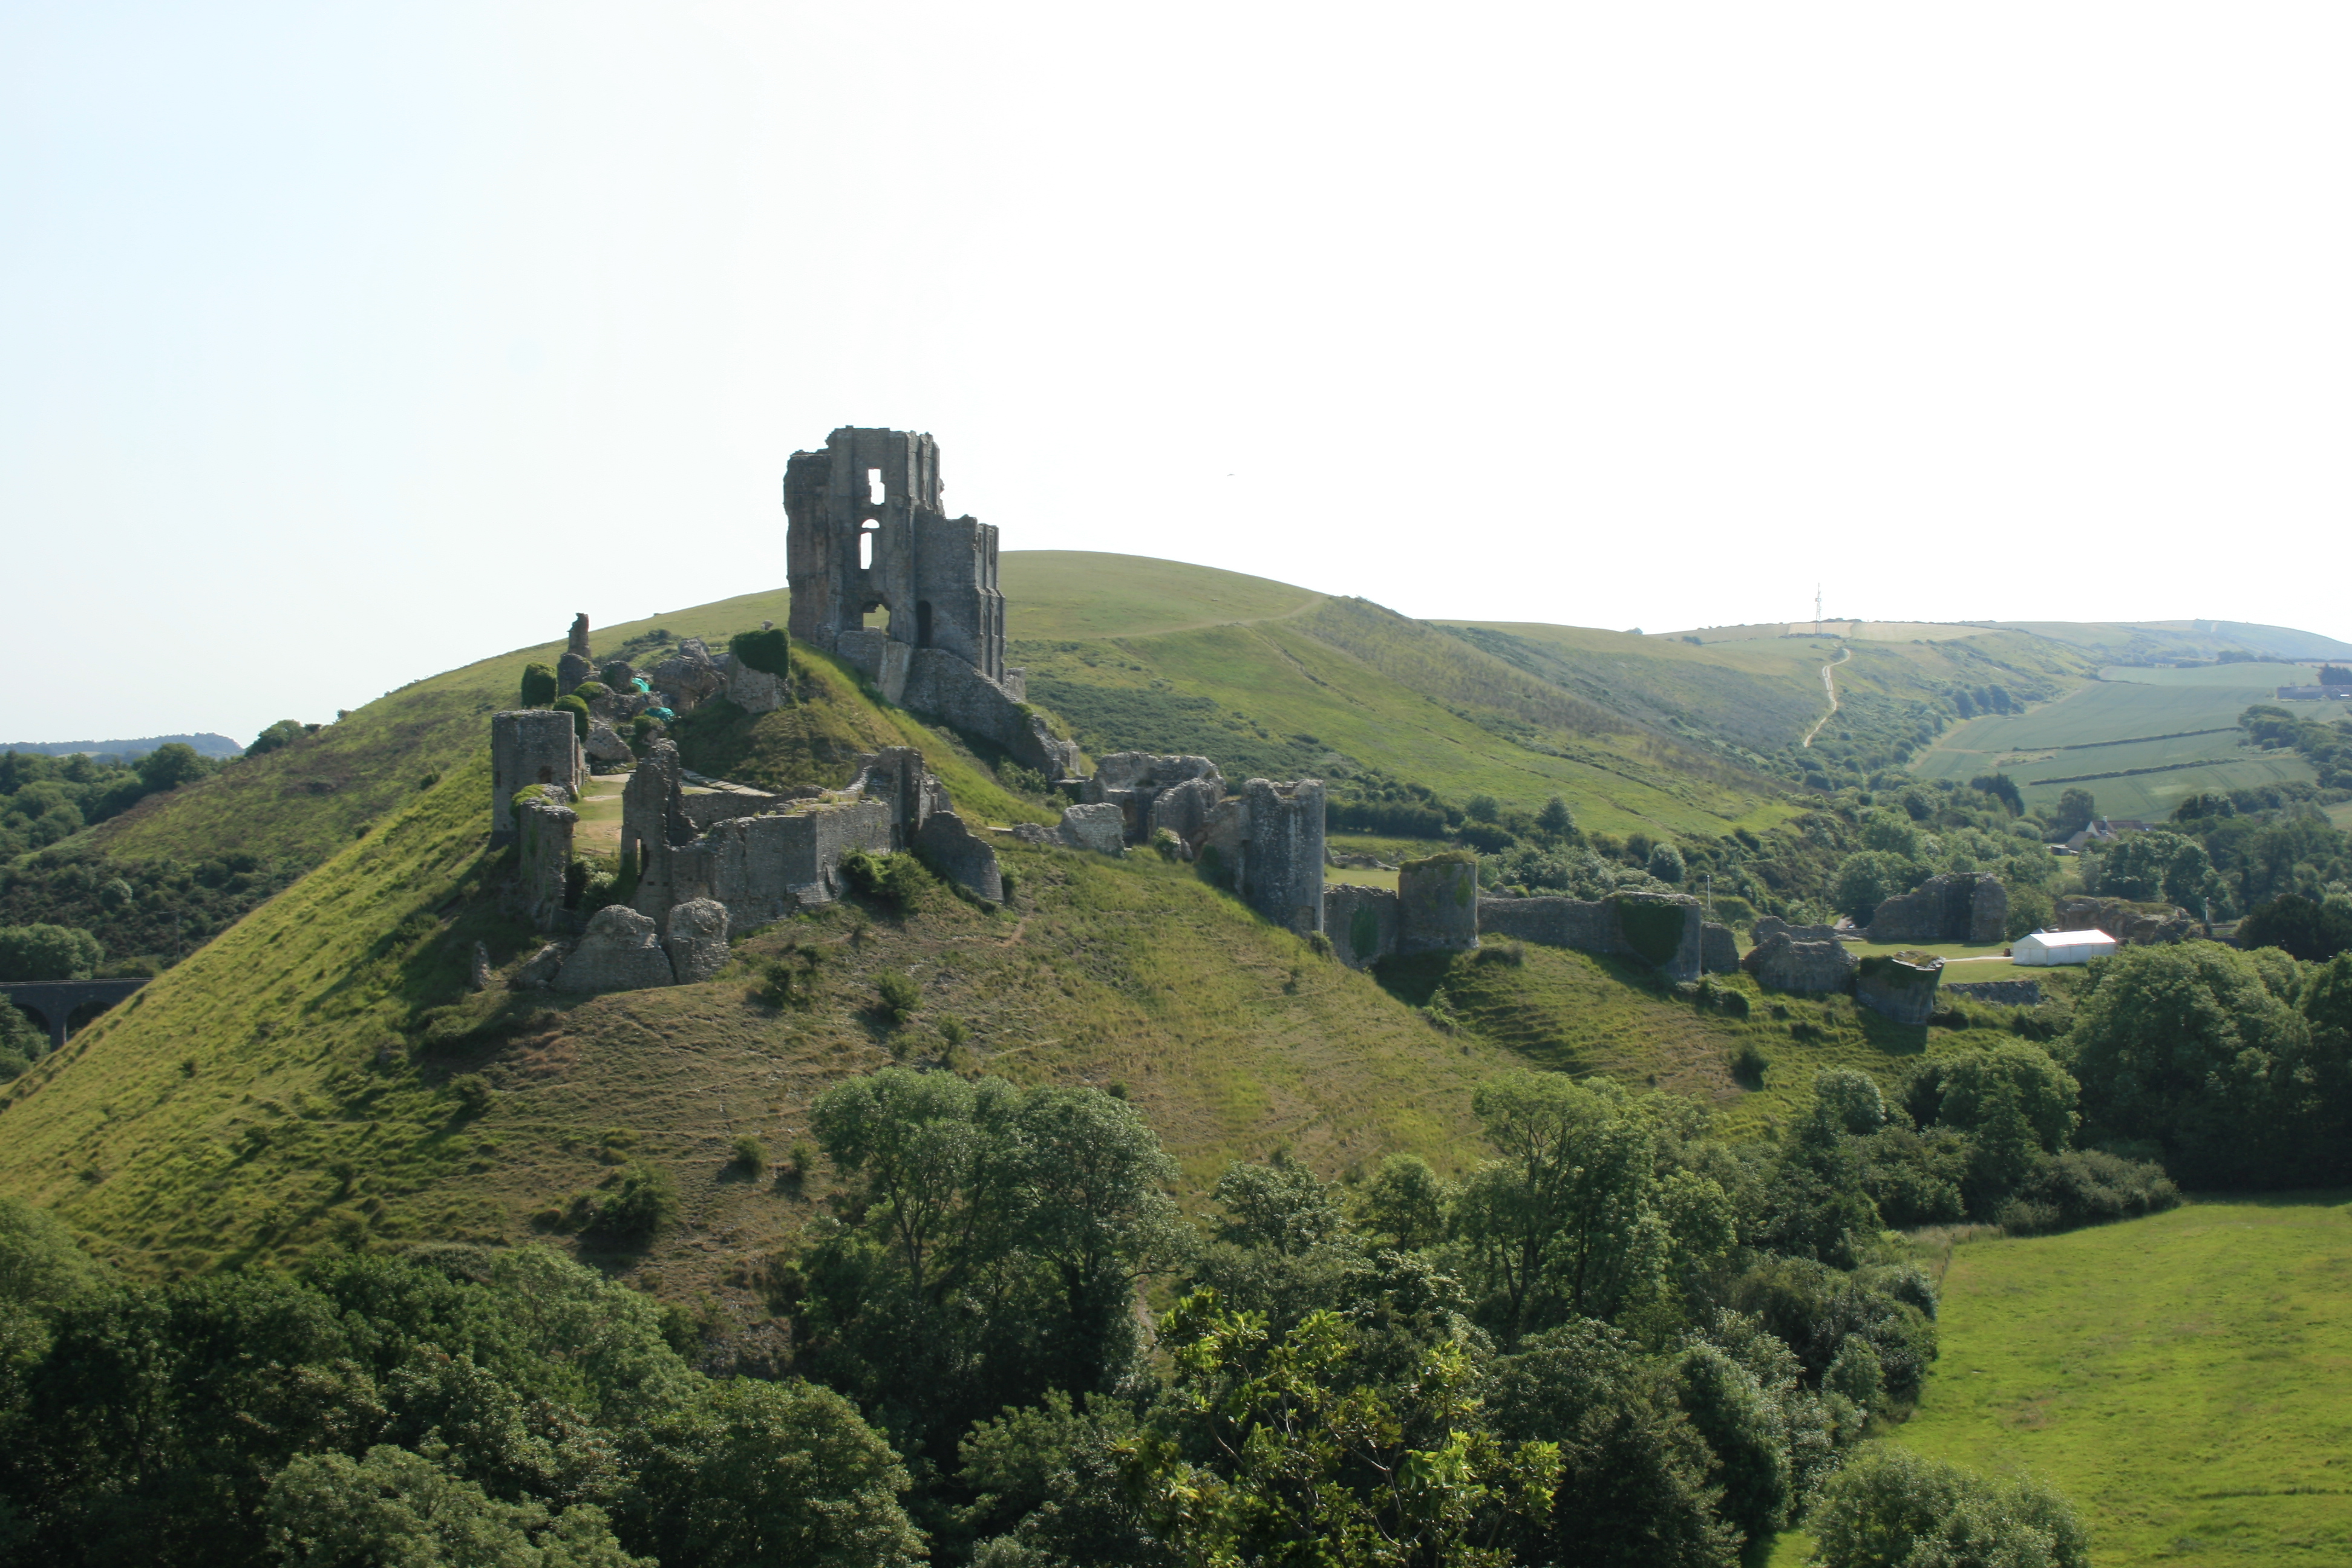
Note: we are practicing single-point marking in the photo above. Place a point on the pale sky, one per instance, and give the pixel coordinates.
(342, 344)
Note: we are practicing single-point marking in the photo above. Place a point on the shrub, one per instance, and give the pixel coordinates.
(1730, 1003)
(1749, 1064)
(644, 1200)
(577, 706)
(2087, 1187)
(1892, 1506)
(1513, 953)
(779, 986)
(538, 685)
(898, 993)
(616, 675)
(1165, 843)
(898, 881)
(952, 1030)
(768, 652)
(750, 1154)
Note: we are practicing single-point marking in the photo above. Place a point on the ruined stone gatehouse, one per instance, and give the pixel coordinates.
(867, 531)
(531, 746)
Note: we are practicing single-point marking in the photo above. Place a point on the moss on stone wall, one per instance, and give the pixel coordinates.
(1654, 931)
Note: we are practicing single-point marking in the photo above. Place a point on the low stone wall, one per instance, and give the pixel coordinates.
(947, 846)
(1588, 926)
(2140, 925)
(2007, 993)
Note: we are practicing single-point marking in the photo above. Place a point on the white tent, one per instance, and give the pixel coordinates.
(2061, 947)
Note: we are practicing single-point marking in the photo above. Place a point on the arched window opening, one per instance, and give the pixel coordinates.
(865, 532)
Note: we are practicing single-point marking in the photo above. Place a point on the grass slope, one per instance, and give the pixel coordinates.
(1764, 693)
(2168, 733)
(1342, 686)
(1051, 594)
(288, 1088)
(2187, 1378)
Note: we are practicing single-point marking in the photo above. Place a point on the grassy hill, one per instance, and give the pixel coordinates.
(2139, 739)
(2180, 1377)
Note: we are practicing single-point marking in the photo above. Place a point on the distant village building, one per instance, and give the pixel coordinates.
(2314, 693)
(2050, 947)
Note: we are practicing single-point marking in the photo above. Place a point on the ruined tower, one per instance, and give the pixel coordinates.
(866, 533)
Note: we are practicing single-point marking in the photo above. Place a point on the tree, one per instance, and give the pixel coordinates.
(773, 1474)
(1555, 820)
(41, 1265)
(2335, 675)
(2002, 788)
(1666, 863)
(1890, 1507)
(2184, 1045)
(49, 953)
(1634, 1489)
(1002, 1231)
(1483, 808)
(1303, 1463)
(327, 1511)
(1556, 1226)
(283, 733)
(538, 684)
(2146, 867)
(170, 765)
(2076, 809)
(2314, 932)
(1406, 1203)
(1868, 879)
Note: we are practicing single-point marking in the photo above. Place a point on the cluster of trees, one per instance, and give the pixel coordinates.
(154, 911)
(1618, 1341)
(45, 799)
(459, 1405)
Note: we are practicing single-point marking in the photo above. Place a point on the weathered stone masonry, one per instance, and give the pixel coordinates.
(866, 530)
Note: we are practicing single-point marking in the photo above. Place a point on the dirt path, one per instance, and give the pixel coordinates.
(1828, 684)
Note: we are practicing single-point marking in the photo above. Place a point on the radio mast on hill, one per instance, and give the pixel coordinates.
(1817, 609)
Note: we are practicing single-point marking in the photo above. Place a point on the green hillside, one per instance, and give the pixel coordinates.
(2179, 1376)
(298, 1083)
(2139, 739)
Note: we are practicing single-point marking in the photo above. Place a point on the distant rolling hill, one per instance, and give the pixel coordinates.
(205, 744)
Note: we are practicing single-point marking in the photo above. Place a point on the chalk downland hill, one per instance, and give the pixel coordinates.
(320, 1076)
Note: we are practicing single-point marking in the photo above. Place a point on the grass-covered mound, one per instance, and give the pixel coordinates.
(320, 1076)
(2179, 1376)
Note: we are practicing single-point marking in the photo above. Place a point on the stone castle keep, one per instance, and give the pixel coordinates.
(867, 533)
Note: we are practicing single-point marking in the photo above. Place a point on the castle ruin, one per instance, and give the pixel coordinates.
(865, 532)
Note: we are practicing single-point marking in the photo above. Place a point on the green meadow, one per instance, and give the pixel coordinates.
(2182, 1377)
(2165, 734)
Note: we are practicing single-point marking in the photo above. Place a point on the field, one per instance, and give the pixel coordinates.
(2186, 1379)
(1052, 594)
(2161, 735)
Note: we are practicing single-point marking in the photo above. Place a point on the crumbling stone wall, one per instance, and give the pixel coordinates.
(620, 950)
(1956, 906)
(938, 684)
(1718, 949)
(1136, 782)
(2131, 924)
(1661, 929)
(544, 834)
(577, 663)
(1267, 844)
(1769, 926)
(1361, 924)
(948, 847)
(531, 746)
(1781, 961)
(1437, 904)
(1898, 986)
(694, 938)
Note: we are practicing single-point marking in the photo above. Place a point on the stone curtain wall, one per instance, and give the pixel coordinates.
(1361, 924)
(1898, 988)
(1437, 904)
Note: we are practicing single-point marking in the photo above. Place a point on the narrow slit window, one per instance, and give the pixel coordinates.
(865, 547)
(874, 491)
